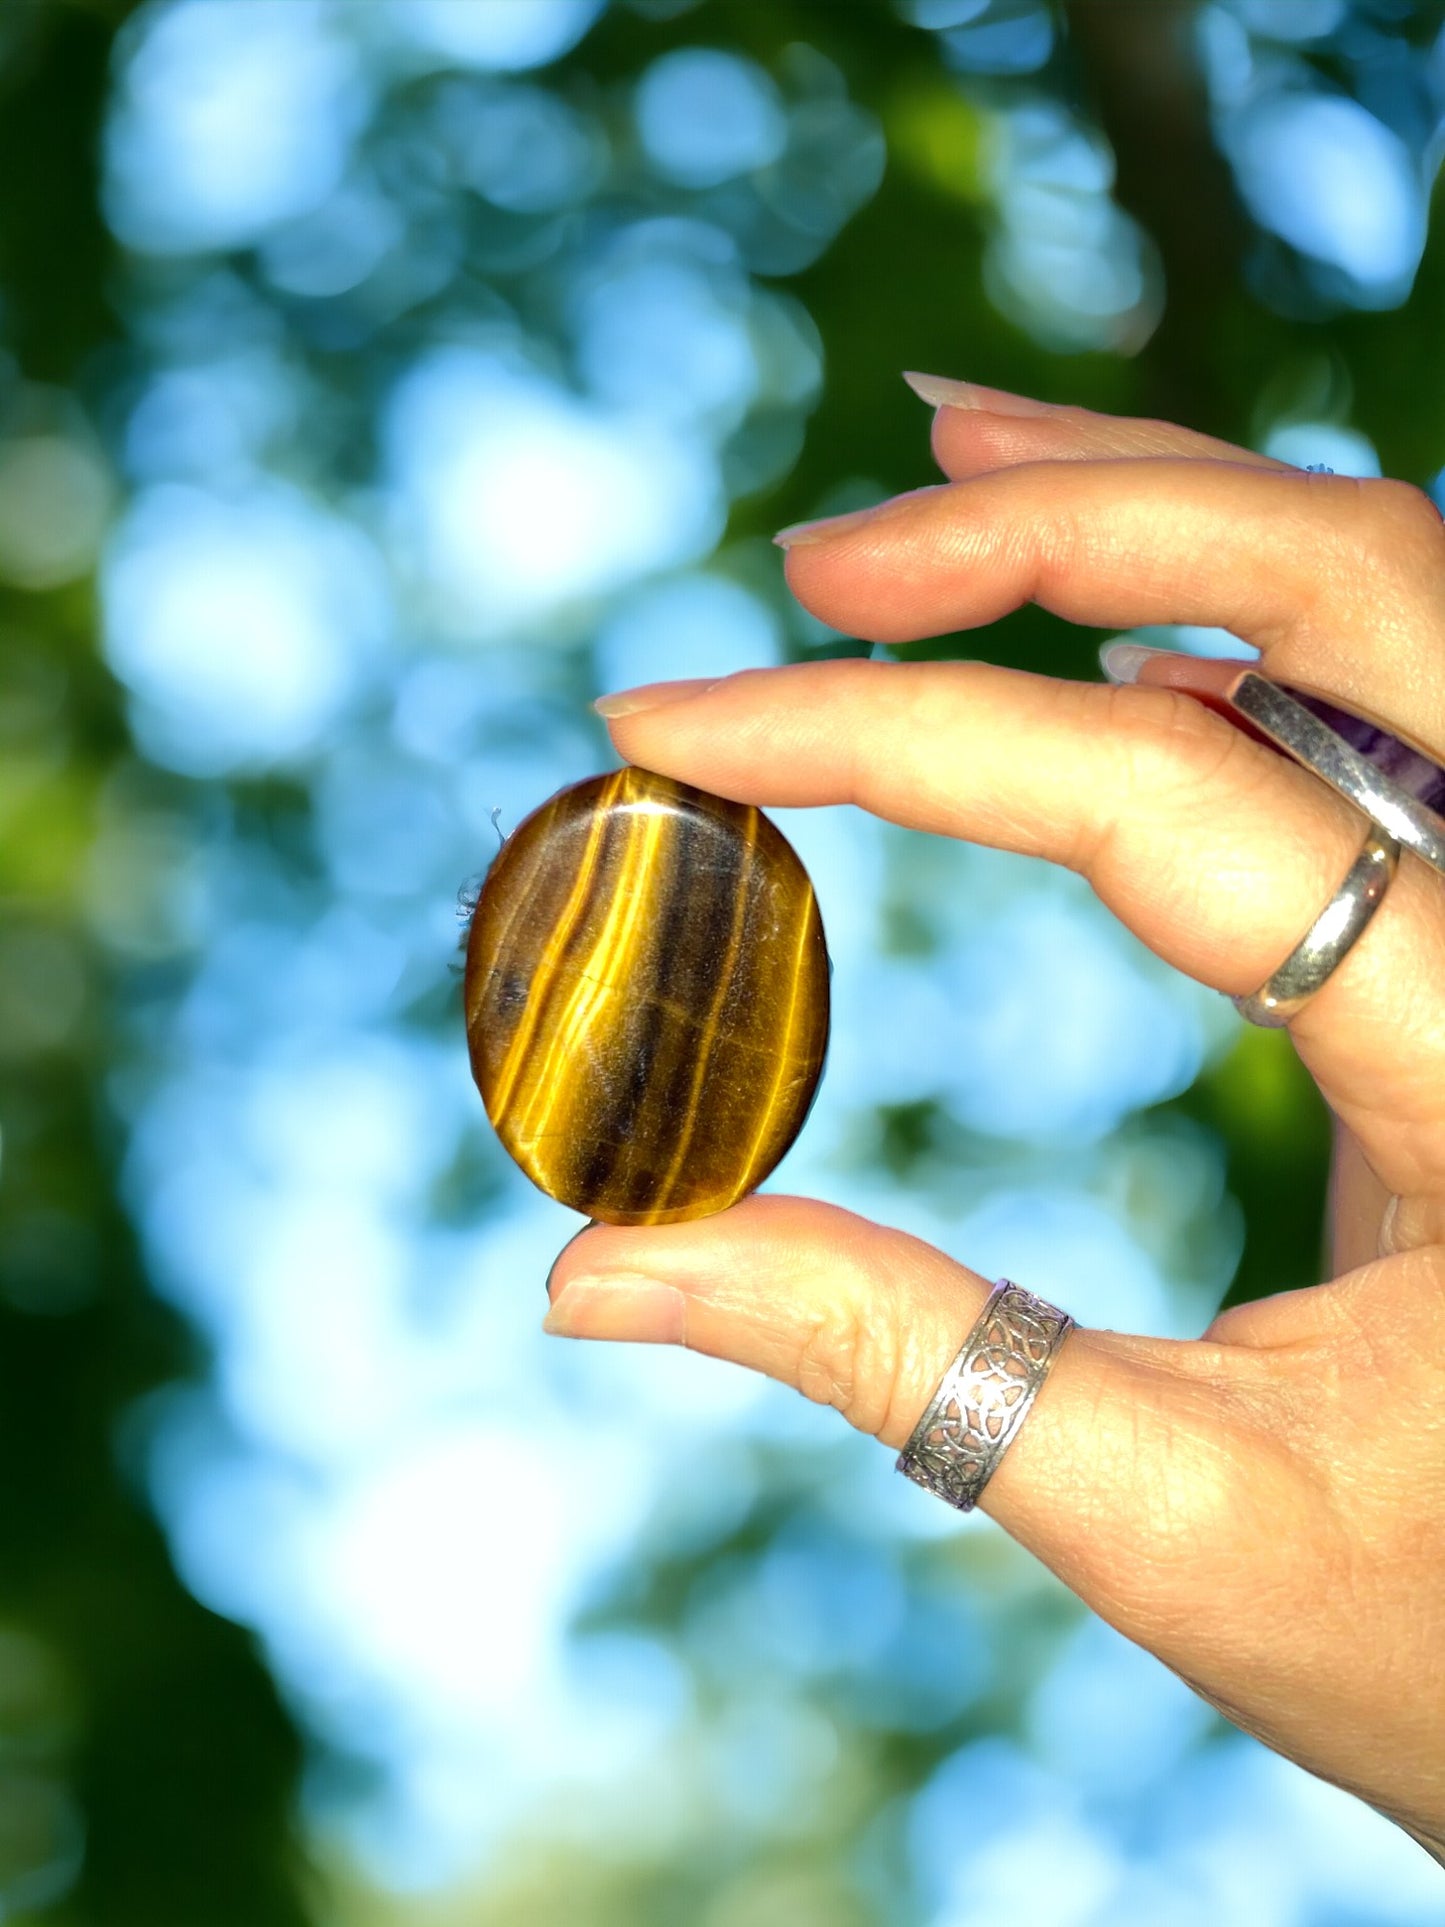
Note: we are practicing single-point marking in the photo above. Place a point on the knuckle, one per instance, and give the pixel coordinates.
(1405, 519)
(1172, 739)
(1173, 755)
(848, 1358)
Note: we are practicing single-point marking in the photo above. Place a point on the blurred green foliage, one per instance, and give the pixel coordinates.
(147, 1772)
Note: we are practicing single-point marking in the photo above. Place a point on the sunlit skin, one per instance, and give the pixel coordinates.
(1264, 1507)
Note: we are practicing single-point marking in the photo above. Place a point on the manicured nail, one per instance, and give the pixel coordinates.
(941, 392)
(621, 1304)
(799, 534)
(1122, 661)
(652, 695)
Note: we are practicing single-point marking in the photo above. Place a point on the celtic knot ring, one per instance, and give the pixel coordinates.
(985, 1395)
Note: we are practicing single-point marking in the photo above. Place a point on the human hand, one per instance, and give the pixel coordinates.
(1263, 1508)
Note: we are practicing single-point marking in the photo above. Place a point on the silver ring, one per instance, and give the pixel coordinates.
(1389, 780)
(985, 1396)
(1329, 939)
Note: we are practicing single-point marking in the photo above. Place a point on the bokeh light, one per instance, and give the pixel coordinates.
(462, 355)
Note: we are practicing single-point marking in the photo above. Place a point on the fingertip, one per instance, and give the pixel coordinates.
(807, 572)
(965, 443)
(619, 1305)
(860, 588)
(571, 1261)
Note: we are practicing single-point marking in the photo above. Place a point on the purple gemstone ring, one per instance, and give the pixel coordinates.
(1410, 769)
(1395, 784)
(1388, 779)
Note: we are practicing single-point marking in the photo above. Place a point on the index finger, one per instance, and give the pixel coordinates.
(1215, 851)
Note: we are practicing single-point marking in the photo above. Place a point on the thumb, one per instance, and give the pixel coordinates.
(1127, 1474)
(1184, 1491)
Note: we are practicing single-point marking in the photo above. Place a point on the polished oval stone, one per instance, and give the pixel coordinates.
(647, 997)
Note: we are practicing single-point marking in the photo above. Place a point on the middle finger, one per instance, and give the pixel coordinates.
(1336, 581)
(976, 429)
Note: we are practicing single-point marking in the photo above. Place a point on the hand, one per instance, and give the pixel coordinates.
(1263, 1508)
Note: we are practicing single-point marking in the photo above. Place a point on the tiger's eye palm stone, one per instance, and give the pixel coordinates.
(646, 997)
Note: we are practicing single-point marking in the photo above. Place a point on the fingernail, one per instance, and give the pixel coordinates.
(939, 391)
(1122, 661)
(622, 1304)
(652, 695)
(798, 534)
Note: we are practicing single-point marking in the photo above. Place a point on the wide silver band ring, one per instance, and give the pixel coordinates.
(1329, 939)
(1392, 782)
(985, 1395)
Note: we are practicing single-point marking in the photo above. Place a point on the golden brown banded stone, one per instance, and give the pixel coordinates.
(647, 997)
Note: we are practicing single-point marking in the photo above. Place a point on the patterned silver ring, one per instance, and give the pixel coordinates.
(985, 1396)
(1329, 939)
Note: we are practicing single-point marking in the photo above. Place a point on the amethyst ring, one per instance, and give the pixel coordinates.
(1399, 787)
(1392, 781)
